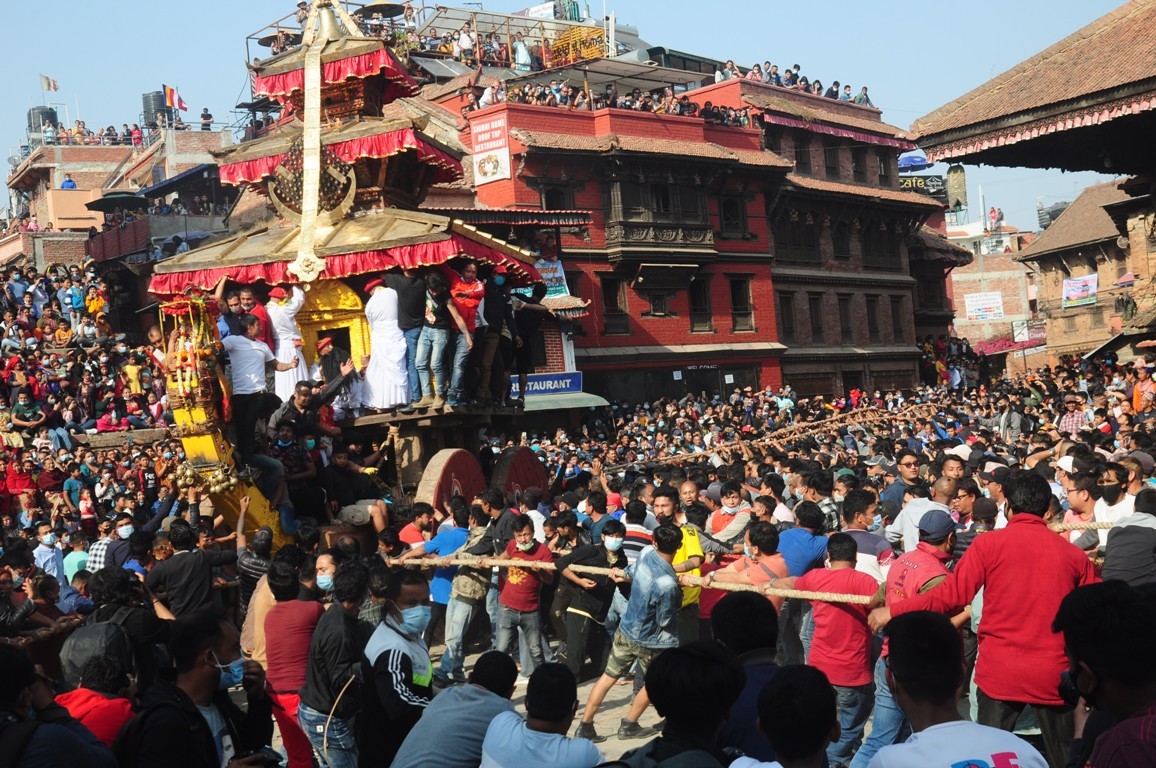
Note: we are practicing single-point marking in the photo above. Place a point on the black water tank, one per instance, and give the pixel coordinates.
(38, 116)
(154, 102)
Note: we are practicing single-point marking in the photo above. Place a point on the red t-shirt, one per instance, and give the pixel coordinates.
(411, 535)
(466, 296)
(841, 647)
(292, 624)
(521, 586)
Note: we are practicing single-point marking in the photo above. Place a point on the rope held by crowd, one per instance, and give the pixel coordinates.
(797, 594)
(859, 417)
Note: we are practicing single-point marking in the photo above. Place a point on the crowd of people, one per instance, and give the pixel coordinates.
(792, 79)
(984, 548)
(561, 94)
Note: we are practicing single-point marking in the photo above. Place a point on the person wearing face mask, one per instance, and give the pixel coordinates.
(496, 313)
(586, 615)
(1106, 629)
(193, 723)
(397, 671)
(49, 558)
(1114, 503)
(519, 598)
(113, 548)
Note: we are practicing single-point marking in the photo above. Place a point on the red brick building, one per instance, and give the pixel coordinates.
(676, 258)
(854, 275)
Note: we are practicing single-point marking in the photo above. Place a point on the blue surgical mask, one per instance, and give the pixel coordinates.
(125, 531)
(612, 543)
(284, 443)
(232, 673)
(168, 454)
(48, 540)
(310, 444)
(18, 581)
(415, 620)
(747, 550)
(325, 582)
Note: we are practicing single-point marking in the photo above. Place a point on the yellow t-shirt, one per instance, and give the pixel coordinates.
(691, 547)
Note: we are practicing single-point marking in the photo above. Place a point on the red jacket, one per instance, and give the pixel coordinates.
(1025, 570)
(102, 715)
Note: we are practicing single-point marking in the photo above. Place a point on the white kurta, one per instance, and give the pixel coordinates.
(386, 382)
(283, 317)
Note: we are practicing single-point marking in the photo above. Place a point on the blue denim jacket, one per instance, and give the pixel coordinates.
(651, 618)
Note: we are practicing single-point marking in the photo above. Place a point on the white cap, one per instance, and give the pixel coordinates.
(1067, 463)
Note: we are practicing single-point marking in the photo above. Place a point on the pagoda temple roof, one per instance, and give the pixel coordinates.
(1101, 74)
(374, 242)
(363, 137)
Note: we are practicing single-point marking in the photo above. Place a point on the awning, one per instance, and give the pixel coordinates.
(846, 133)
(564, 402)
(626, 75)
(1125, 281)
(441, 69)
(162, 188)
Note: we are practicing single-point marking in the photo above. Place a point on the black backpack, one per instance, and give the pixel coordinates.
(97, 638)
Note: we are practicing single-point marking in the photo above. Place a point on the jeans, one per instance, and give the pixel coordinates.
(614, 615)
(271, 471)
(60, 438)
(889, 725)
(431, 348)
(790, 631)
(459, 343)
(530, 623)
(854, 705)
(411, 338)
(335, 749)
(492, 609)
(458, 617)
(807, 632)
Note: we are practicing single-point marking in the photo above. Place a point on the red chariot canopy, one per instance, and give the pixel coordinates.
(365, 65)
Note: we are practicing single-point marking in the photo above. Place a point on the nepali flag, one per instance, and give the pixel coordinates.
(173, 99)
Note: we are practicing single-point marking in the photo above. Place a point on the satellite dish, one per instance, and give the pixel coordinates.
(1122, 243)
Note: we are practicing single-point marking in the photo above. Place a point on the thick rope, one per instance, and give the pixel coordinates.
(1092, 526)
(859, 417)
(797, 594)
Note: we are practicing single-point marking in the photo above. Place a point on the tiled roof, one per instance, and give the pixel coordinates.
(936, 247)
(1083, 222)
(816, 115)
(1116, 49)
(891, 195)
(645, 145)
(438, 90)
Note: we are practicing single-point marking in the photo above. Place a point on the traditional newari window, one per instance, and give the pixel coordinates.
(742, 310)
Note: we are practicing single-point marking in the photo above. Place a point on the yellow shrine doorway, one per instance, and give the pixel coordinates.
(334, 309)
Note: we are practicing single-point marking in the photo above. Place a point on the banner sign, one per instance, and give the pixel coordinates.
(1029, 330)
(1080, 291)
(554, 277)
(491, 140)
(564, 383)
(984, 306)
(934, 187)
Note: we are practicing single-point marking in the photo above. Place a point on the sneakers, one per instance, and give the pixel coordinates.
(425, 402)
(586, 731)
(458, 402)
(629, 730)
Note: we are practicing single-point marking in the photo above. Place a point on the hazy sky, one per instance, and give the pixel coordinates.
(914, 57)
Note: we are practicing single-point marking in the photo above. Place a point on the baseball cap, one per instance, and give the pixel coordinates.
(984, 509)
(1147, 463)
(1067, 463)
(961, 452)
(993, 471)
(263, 537)
(713, 492)
(935, 525)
